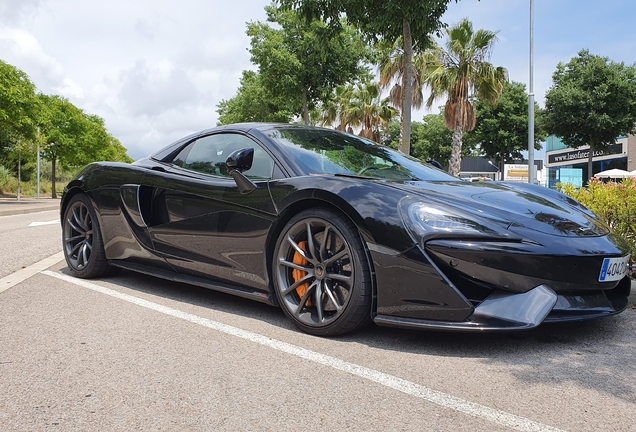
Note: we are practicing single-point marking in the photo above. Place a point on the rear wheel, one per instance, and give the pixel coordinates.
(321, 273)
(82, 240)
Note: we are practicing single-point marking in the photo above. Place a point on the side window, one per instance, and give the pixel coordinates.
(208, 155)
(262, 166)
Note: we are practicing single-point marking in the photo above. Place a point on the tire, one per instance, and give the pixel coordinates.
(323, 287)
(82, 240)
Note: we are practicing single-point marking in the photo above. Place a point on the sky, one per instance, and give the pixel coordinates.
(155, 70)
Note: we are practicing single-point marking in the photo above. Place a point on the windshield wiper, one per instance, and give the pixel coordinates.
(357, 176)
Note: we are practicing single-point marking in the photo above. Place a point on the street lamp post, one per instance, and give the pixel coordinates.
(531, 101)
(38, 171)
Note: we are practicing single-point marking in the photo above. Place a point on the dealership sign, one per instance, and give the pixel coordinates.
(517, 173)
(584, 154)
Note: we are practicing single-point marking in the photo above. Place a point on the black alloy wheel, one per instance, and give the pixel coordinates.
(321, 273)
(82, 241)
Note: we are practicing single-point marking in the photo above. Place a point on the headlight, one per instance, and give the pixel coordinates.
(425, 219)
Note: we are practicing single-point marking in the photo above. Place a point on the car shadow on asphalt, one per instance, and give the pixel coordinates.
(597, 354)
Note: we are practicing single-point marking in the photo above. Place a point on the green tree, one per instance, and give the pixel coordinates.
(433, 140)
(74, 138)
(19, 106)
(18, 155)
(20, 112)
(253, 103)
(332, 111)
(361, 105)
(414, 21)
(302, 61)
(592, 101)
(502, 128)
(430, 139)
(391, 70)
(98, 145)
(460, 73)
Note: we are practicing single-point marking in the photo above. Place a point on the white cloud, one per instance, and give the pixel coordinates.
(150, 91)
(12, 11)
(21, 47)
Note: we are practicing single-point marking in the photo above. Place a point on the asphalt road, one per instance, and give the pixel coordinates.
(21, 245)
(132, 352)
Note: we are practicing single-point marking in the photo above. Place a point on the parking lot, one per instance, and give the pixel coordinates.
(133, 352)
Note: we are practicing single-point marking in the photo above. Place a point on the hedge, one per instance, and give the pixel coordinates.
(614, 203)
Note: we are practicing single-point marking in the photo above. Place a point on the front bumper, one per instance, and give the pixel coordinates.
(506, 311)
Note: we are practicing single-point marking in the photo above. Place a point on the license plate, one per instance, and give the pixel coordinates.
(614, 269)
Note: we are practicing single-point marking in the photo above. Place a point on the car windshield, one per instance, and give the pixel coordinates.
(324, 151)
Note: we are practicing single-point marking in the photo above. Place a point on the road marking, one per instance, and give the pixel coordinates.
(445, 400)
(56, 221)
(21, 275)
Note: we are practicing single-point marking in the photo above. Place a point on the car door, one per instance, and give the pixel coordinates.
(200, 222)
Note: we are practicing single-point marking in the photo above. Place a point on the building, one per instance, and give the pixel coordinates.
(478, 168)
(568, 165)
(518, 172)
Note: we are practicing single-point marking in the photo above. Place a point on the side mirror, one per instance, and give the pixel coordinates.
(240, 160)
(237, 162)
(435, 164)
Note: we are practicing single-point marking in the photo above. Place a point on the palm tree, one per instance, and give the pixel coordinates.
(391, 70)
(360, 106)
(332, 110)
(460, 72)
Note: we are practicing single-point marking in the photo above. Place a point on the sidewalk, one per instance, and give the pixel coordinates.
(11, 206)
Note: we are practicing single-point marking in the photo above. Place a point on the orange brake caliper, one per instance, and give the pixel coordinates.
(299, 274)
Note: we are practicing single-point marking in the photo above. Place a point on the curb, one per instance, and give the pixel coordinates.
(11, 206)
(16, 211)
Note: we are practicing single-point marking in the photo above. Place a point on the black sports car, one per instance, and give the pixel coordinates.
(339, 232)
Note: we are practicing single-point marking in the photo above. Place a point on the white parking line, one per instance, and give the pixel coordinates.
(21, 275)
(445, 400)
(33, 224)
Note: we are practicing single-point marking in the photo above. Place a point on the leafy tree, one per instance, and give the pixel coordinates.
(75, 138)
(430, 139)
(18, 155)
(502, 128)
(459, 72)
(65, 133)
(253, 103)
(302, 61)
(19, 115)
(414, 21)
(19, 107)
(592, 101)
(98, 145)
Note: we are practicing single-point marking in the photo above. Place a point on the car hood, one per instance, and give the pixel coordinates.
(513, 205)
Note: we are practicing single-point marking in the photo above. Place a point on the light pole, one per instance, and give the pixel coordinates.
(38, 171)
(531, 101)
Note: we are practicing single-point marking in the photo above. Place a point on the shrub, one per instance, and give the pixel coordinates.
(7, 181)
(614, 204)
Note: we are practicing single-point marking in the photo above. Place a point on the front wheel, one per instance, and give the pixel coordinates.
(82, 241)
(321, 273)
